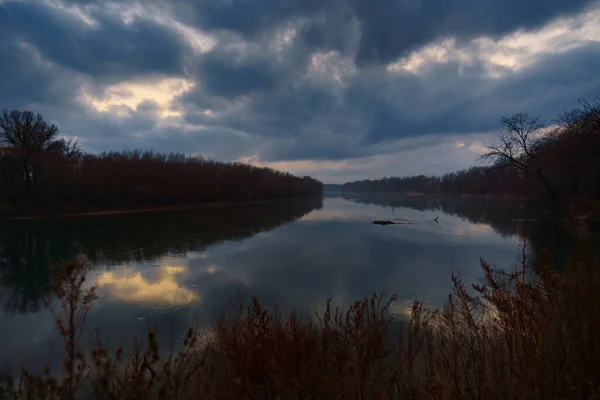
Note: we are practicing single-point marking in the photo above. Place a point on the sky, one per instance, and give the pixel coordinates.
(336, 89)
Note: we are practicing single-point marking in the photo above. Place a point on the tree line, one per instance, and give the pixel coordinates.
(39, 169)
(530, 158)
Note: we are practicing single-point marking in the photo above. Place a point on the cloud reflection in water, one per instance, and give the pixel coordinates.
(133, 287)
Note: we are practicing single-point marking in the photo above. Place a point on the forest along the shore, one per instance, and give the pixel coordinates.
(41, 173)
(550, 163)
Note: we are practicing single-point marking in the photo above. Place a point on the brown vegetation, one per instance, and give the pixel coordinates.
(39, 170)
(519, 336)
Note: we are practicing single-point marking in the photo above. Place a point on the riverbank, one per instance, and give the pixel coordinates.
(136, 210)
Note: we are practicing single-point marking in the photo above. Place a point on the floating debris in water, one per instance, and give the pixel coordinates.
(381, 222)
(388, 222)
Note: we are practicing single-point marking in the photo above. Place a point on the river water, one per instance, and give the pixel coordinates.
(172, 270)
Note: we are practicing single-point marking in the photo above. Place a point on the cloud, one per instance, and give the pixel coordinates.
(340, 90)
(225, 77)
(386, 29)
(152, 96)
(109, 51)
(394, 28)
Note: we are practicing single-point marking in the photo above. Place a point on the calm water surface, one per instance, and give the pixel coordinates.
(174, 270)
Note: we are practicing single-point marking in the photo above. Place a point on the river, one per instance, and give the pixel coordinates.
(172, 270)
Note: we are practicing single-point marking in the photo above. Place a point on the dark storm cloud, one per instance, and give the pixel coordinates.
(390, 28)
(312, 123)
(223, 76)
(553, 84)
(547, 88)
(288, 110)
(112, 51)
(243, 16)
(317, 122)
(20, 82)
(23, 80)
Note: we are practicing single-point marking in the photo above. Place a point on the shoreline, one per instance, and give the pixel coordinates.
(146, 210)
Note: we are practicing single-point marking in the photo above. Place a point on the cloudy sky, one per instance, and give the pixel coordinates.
(336, 89)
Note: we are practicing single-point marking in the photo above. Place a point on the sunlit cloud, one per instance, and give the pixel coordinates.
(443, 51)
(79, 12)
(135, 288)
(519, 49)
(200, 42)
(295, 166)
(478, 147)
(284, 38)
(510, 53)
(162, 15)
(459, 144)
(161, 91)
(331, 65)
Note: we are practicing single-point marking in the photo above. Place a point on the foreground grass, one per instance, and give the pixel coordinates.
(518, 336)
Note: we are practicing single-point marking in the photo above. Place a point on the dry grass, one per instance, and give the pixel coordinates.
(519, 336)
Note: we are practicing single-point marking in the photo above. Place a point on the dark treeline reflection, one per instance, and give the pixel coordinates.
(508, 217)
(29, 248)
(504, 215)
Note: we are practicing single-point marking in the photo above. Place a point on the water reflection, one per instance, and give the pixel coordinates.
(24, 276)
(472, 229)
(136, 288)
(28, 248)
(508, 217)
(502, 214)
(151, 269)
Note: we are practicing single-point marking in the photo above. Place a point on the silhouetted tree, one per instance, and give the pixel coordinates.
(28, 138)
(519, 144)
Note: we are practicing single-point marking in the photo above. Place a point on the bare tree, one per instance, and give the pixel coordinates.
(592, 110)
(69, 149)
(518, 145)
(581, 122)
(29, 136)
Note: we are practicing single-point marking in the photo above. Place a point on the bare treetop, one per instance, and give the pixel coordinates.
(26, 131)
(518, 142)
